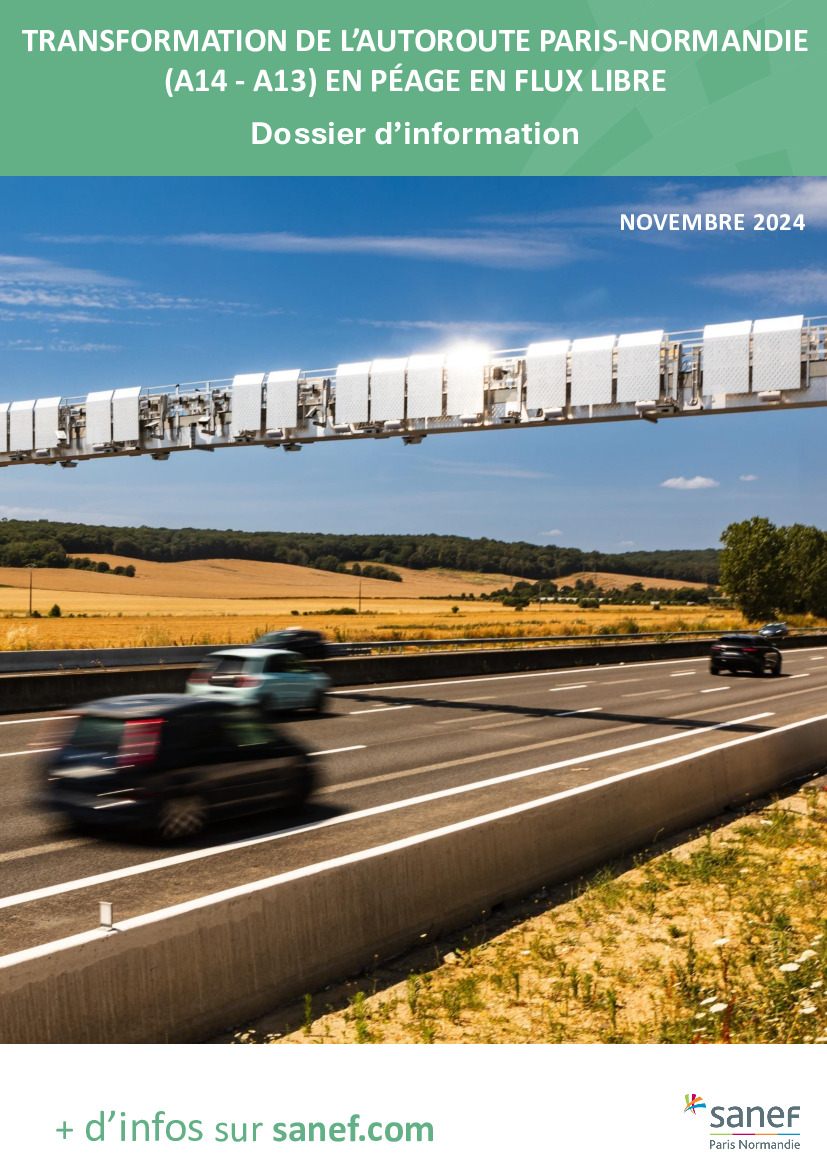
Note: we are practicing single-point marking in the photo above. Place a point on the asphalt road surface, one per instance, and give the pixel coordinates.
(395, 760)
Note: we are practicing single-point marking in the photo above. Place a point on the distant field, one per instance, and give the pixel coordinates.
(411, 620)
(227, 580)
(620, 580)
(219, 601)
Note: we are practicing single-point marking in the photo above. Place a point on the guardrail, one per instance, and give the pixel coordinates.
(558, 639)
(50, 660)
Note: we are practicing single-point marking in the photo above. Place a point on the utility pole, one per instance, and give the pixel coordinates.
(360, 594)
(31, 575)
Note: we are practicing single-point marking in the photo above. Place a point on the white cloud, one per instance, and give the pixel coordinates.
(747, 478)
(34, 270)
(794, 286)
(489, 470)
(552, 532)
(681, 483)
(486, 249)
(626, 543)
(456, 326)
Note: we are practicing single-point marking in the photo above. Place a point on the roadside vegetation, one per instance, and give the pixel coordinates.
(695, 945)
(183, 621)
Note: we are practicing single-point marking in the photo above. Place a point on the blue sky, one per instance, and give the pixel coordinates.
(117, 282)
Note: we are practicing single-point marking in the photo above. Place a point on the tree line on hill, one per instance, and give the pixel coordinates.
(46, 543)
(590, 595)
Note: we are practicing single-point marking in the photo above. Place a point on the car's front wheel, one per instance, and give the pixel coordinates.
(713, 669)
(320, 703)
(181, 816)
(303, 785)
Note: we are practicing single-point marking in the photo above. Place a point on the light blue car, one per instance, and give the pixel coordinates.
(271, 679)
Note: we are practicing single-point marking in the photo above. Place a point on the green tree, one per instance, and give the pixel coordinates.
(805, 558)
(753, 568)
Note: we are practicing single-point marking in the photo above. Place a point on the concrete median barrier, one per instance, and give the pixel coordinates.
(186, 972)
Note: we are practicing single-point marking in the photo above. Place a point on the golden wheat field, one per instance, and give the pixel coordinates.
(620, 580)
(213, 602)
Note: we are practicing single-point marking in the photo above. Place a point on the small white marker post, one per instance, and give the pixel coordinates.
(107, 917)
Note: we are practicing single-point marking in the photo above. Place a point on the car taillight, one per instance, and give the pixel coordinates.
(140, 742)
(750, 649)
(246, 680)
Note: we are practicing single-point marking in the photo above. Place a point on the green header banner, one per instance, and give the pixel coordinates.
(587, 87)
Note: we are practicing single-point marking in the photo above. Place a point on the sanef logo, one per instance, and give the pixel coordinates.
(693, 1102)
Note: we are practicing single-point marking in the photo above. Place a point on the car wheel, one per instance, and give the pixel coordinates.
(303, 785)
(181, 816)
(320, 705)
(714, 669)
(269, 707)
(776, 669)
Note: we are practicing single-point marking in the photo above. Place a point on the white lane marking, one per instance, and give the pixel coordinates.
(817, 659)
(466, 718)
(476, 698)
(31, 751)
(623, 682)
(643, 693)
(39, 849)
(572, 713)
(510, 723)
(51, 718)
(383, 709)
(338, 750)
(540, 745)
(791, 676)
(683, 673)
(97, 936)
(349, 817)
(517, 677)
(715, 689)
(574, 686)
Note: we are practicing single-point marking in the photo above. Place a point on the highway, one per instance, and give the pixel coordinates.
(395, 760)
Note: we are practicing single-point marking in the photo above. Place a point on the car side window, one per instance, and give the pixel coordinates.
(243, 728)
(194, 729)
(275, 665)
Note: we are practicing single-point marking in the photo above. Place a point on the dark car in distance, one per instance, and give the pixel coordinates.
(774, 629)
(306, 642)
(169, 763)
(744, 651)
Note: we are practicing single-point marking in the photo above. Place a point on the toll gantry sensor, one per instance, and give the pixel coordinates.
(744, 365)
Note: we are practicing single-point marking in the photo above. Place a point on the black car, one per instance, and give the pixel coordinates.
(170, 763)
(744, 651)
(306, 642)
(774, 629)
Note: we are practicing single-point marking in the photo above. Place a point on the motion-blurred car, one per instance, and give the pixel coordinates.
(744, 651)
(774, 629)
(271, 679)
(306, 642)
(170, 763)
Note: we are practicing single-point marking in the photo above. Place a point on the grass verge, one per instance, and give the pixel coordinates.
(722, 939)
